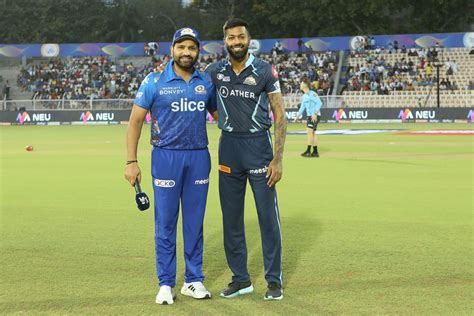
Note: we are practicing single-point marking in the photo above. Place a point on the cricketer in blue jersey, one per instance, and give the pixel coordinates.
(311, 106)
(177, 99)
(246, 87)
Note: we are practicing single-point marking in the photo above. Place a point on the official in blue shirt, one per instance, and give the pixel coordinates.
(311, 106)
(177, 99)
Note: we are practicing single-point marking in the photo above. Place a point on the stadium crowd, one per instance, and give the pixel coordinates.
(416, 69)
(102, 78)
(82, 78)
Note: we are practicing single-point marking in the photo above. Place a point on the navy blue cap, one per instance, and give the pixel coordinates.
(186, 32)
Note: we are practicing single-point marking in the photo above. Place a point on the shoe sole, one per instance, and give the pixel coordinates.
(191, 294)
(243, 291)
(166, 302)
(271, 298)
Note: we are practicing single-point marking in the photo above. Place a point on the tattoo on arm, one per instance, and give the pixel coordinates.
(276, 103)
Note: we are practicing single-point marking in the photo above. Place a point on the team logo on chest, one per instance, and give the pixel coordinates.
(250, 80)
(200, 89)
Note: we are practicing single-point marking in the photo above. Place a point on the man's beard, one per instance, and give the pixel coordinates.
(185, 63)
(241, 54)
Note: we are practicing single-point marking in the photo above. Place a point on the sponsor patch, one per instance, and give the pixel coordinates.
(203, 181)
(221, 77)
(225, 169)
(259, 171)
(164, 183)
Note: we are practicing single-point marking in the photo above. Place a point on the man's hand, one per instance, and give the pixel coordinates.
(274, 173)
(132, 173)
(313, 118)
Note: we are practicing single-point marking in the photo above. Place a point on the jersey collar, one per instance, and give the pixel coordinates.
(247, 63)
(170, 75)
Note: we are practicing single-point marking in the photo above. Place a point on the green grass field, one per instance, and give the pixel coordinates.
(380, 224)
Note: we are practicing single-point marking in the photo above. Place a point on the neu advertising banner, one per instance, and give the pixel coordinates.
(393, 115)
(352, 115)
(64, 117)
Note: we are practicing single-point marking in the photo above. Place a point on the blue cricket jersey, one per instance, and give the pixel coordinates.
(178, 109)
(310, 102)
(242, 100)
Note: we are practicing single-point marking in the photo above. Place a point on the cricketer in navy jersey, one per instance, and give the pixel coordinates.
(243, 99)
(246, 89)
(178, 100)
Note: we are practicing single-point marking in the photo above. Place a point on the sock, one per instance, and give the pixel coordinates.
(308, 150)
(315, 149)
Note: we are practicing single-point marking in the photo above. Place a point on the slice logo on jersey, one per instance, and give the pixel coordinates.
(221, 77)
(224, 169)
(170, 91)
(200, 89)
(203, 181)
(23, 117)
(274, 72)
(250, 80)
(164, 183)
(86, 116)
(405, 115)
(188, 106)
(259, 171)
(339, 115)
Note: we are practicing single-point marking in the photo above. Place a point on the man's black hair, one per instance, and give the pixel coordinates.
(234, 22)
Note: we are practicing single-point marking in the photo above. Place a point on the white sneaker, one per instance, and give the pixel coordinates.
(166, 295)
(195, 290)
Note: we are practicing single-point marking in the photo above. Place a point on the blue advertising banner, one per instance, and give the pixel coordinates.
(259, 46)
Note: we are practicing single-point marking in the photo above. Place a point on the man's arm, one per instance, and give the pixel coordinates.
(137, 117)
(275, 169)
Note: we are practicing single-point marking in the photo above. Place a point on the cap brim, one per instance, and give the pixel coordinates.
(184, 37)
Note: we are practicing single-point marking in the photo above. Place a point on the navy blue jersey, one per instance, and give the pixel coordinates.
(242, 100)
(178, 109)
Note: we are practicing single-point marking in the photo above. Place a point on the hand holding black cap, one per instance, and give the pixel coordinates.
(143, 203)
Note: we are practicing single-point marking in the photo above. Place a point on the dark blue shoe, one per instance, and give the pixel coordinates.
(235, 289)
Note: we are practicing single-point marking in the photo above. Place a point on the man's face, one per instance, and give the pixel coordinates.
(302, 86)
(185, 53)
(237, 42)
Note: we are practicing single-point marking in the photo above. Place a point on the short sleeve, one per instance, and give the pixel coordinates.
(272, 84)
(146, 93)
(212, 102)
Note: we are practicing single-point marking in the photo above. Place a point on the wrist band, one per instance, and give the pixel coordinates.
(131, 161)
